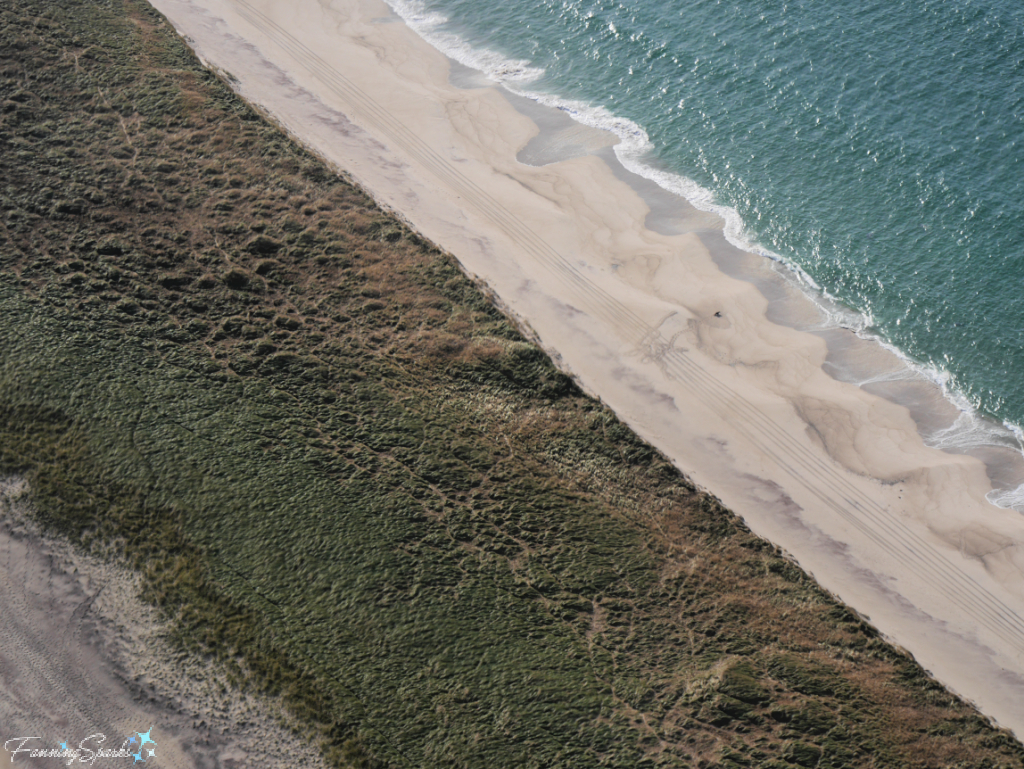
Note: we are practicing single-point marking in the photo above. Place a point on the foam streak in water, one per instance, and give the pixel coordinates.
(428, 25)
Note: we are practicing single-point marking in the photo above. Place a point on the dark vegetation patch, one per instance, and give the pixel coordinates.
(348, 477)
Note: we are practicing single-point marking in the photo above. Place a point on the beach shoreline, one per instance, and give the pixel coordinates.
(683, 353)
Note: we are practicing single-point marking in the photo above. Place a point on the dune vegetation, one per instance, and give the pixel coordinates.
(351, 479)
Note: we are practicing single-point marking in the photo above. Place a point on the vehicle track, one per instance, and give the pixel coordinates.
(821, 476)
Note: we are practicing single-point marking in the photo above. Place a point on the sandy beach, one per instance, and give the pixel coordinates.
(625, 290)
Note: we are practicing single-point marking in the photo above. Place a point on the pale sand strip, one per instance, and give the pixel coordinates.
(836, 476)
(81, 654)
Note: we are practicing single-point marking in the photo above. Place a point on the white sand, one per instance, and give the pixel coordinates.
(81, 654)
(837, 477)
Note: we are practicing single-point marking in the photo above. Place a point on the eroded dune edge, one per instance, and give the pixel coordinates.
(340, 473)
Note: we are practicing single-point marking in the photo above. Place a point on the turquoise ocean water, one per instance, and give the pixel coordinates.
(877, 147)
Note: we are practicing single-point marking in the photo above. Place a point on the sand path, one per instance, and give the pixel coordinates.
(685, 354)
(84, 661)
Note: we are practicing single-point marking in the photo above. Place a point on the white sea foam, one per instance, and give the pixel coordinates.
(967, 432)
(634, 151)
(900, 374)
(1011, 499)
(428, 25)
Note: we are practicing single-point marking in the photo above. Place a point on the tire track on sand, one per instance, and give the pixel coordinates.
(823, 479)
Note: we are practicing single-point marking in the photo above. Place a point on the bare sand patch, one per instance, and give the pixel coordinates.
(81, 654)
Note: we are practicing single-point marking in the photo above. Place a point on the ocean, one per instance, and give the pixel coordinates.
(875, 149)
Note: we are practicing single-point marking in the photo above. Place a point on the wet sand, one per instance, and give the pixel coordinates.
(635, 297)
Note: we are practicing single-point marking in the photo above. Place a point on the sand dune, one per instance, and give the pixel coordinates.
(684, 353)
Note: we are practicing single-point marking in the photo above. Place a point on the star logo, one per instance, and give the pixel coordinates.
(144, 739)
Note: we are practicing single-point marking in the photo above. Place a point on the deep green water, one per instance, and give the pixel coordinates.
(875, 146)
